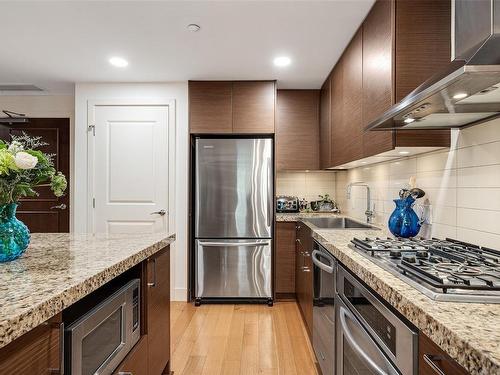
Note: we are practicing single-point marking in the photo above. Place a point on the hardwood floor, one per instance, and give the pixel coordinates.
(240, 339)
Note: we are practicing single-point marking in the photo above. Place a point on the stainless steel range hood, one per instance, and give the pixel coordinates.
(468, 91)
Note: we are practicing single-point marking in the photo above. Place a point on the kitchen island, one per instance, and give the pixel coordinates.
(59, 270)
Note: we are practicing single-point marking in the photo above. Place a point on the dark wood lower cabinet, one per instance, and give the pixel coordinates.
(35, 353)
(432, 360)
(304, 274)
(284, 267)
(158, 312)
(136, 362)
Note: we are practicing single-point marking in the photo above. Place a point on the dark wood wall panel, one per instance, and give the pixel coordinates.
(297, 130)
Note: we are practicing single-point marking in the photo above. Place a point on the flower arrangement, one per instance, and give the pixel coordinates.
(23, 168)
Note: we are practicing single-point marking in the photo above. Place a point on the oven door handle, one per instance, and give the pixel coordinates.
(344, 313)
(319, 263)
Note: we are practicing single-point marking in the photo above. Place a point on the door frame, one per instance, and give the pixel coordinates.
(171, 130)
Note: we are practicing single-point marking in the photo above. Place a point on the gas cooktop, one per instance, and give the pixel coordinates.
(444, 270)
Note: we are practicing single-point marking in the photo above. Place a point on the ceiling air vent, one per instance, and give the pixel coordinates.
(19, 88)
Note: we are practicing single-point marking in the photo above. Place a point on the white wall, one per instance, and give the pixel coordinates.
(56, 106)
(462, 186)
(177, 91)
(308, 185)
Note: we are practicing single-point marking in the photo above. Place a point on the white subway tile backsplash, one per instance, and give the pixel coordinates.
(482, 220)
(479, 198)
(479, 155)
(486, 176)
(462, 187)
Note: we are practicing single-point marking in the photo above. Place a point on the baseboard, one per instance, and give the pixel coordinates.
(179, 294)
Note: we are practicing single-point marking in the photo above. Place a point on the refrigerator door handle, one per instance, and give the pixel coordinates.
(233, 244)
(270, 193)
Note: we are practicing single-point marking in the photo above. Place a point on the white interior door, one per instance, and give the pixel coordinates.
(130, 169)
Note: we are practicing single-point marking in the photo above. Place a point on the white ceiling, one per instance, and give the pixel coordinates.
(54, 44)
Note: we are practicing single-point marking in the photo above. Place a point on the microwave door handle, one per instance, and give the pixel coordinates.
(319, 263)
(355, 346)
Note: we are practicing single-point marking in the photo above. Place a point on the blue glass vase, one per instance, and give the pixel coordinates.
(404, 222)
(14, 235)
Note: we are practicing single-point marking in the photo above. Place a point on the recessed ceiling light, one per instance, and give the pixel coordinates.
(282, 61)
(193, 27)
(404, 152)
(460, 95)
(363, 162)
(409, 120)
(119, 62)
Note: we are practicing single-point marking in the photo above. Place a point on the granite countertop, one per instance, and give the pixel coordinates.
(59, 269)
(468, 332)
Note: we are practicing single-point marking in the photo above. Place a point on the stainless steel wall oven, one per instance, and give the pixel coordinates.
(371, 339)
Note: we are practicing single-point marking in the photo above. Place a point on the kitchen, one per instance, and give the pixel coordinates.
(247, 218)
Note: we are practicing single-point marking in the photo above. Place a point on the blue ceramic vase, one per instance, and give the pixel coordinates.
(14, 235)
(404, 222)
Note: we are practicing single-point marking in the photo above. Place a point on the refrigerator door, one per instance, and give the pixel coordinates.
(234, 188)
(233, 268)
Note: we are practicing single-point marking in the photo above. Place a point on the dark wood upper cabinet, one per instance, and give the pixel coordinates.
(378, 68)
(158, 311)
(337, 115)
(297, 130)
(254, 106)
(402, 44)
(219, 107)
(325, 135)
(210, 107)
(347, 90)
(423, 42)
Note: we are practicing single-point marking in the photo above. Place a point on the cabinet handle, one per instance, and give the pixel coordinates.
(431, 361)
(306, 269)
(60, 370)
(153, 284)
(125, 373)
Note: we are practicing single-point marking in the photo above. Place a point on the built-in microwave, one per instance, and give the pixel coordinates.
(99, 340)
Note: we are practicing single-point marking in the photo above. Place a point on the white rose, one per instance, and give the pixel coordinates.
(24, 160)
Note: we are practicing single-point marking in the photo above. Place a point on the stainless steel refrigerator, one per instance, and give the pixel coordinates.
(233, 218)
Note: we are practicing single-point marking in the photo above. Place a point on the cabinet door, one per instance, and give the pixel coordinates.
(433, 360)
(35, 353)
(254, 107)
(305, 297)
(297, 130)
(285, 259)
(325, 135)
(378, 78)
(210, 109)
(347, 131)
(136, 362)
(158, 311)
(337, 114)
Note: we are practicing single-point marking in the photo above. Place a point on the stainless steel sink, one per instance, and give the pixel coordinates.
(337, 223)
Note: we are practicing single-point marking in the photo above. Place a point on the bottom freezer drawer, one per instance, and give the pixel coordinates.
(233, 268)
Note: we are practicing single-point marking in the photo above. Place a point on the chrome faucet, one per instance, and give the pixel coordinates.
(369, 212)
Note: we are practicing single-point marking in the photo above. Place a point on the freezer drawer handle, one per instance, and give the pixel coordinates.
(233, 244)
(355, 346)
(319, 263)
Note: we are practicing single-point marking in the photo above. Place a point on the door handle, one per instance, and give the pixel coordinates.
(354, 345)
(61, 206)
(233, 244)
(161, 213)
(153, 284)
(431, 361)
(319, 263)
